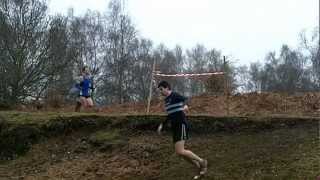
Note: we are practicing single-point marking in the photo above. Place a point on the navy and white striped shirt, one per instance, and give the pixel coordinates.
(174, 104)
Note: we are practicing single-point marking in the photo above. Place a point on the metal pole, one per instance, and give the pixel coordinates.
(150, 88)
(226, 85)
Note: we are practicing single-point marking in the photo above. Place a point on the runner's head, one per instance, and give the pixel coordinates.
(164, 88)
(85, 70)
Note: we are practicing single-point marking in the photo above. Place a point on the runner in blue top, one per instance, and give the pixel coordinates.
(175, 105)
(86, 87)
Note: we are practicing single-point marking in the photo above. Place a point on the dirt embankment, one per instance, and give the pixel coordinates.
(252, 104)
(127, 147)
(17, 137)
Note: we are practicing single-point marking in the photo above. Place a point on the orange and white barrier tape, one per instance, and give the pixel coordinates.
(187, 74)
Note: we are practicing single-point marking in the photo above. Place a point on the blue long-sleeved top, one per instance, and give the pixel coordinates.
(86, 86)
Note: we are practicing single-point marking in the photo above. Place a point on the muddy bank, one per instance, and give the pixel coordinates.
(17, 137)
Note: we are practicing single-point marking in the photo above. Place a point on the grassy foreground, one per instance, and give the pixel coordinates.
(285, 152)
(279, 154)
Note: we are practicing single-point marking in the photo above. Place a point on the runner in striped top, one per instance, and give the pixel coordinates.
(175, 105)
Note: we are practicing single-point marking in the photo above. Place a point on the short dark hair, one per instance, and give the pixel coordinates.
(84, 67)
(164, 84)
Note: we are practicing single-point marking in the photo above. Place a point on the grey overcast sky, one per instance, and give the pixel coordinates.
(243, 29)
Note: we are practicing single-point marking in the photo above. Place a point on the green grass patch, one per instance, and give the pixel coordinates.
(108, 139)
(288, 153)
(18, 117)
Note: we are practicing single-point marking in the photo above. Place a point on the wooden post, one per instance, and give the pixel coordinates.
(226, 86)
(150, 88)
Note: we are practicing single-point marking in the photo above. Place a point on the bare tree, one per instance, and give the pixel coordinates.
(60, 62)
(197, 63)
(120, 38)
(311, 46)
(215, 60)
(24, 50)
(255, 77)
(142, 69)
(286, 73)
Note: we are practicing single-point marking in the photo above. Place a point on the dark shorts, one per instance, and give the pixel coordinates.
(180, 132)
